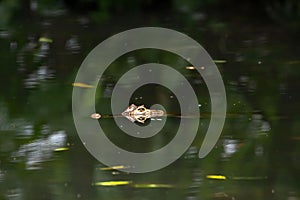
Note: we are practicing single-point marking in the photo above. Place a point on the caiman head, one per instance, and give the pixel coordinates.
(140, 113)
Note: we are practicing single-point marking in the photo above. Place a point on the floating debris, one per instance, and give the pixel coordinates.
(220, 61)
(193, 68)
(82, 85)
(45, 39)
(190, 67)
(61, 149)
(112, 183)
(113, 167)
(216, 177)
(237, 178)
(95, 116)
(138, 185)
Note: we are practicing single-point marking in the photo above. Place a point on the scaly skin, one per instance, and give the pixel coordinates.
(140, 113)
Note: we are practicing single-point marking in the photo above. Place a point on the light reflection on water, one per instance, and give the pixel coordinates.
(43, 73)
(38, 151)
(72, 45)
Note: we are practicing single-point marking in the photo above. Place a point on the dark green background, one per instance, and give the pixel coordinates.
(259, 40)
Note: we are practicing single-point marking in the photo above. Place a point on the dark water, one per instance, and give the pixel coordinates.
(256, 157)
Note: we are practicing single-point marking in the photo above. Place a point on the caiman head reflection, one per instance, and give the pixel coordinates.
(140, 113)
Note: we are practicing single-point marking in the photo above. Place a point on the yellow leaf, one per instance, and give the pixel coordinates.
(44, 39)
(113, 167)
(62, 149)
(217, 177)
(112, 183)
(82, 85)
(220, 61)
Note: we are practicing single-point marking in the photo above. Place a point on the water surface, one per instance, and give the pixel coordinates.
(256, 157)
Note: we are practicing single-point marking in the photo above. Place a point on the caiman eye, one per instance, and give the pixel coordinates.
(141, 118)
(141, 109)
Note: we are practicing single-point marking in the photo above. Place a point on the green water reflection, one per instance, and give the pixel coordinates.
(257, 156)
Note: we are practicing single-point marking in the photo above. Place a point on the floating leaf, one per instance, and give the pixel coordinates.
(190, 67)
(220, 61)
(113, 167)
(82, 85)
(112, 183)
(44, 39)
(216, 177)
(95, 116)
(62, 149)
